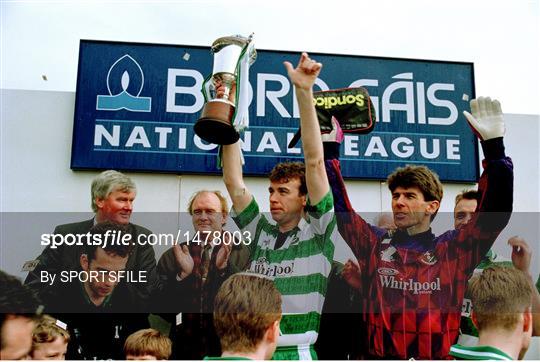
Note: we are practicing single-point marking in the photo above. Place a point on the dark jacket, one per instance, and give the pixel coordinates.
(67, 258)
(190, 301)
(97, 332)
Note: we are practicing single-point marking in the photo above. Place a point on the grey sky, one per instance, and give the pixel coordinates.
(500, 37)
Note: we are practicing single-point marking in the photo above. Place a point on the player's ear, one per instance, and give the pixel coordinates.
(99, 202)
(84, 262)
(433, 206)
(527, 320)
(272, 333)
(225, 214)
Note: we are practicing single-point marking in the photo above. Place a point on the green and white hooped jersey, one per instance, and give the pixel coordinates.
(468, 335)
(478, 353)
(299, 268)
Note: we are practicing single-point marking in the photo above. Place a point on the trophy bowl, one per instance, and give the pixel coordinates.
(215, 124)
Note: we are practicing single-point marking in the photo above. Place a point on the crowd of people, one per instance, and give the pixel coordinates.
(314, 280)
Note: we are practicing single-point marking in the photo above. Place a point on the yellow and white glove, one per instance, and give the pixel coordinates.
(486, 120)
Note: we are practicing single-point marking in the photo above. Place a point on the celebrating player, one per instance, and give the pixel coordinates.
(413, 281)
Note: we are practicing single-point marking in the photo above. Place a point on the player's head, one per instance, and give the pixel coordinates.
(50, 339)
(112, 196)
(112, 258)
(465, 206)
(288, 192)
(247, 312)
(18, 308)
(208, 210)
(502, 300)
(416, 195)
(147, 344)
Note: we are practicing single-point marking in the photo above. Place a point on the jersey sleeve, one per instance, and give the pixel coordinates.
(356, 232)
(248, 222)
(323, 220)
(494, 207)
(321, 215)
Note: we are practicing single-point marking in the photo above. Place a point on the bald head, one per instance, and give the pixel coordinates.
(208, 211)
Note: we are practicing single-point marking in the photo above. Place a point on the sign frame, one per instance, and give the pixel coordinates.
(78, 138)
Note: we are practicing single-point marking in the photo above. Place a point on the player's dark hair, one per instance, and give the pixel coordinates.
(421, 177)
(119, 249)
(287, 171)
(467, 195)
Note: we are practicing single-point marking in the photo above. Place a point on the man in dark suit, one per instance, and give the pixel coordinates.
(112, 195)
(192, 272)
(98, 309)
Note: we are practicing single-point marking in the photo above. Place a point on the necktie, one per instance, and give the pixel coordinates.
(205, 262)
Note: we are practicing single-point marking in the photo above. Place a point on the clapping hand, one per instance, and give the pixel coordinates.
(183, 259)
(224, 252)
(351, 274)
(521, 253)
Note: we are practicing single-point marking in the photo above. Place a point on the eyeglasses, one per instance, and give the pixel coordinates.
(209, 212)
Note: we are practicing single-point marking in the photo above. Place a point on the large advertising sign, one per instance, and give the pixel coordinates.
(136, 105)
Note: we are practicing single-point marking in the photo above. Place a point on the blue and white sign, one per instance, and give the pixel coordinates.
(136, 105)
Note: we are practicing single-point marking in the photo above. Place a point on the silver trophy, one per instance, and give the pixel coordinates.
(215, 124)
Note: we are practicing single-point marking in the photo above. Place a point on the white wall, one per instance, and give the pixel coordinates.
(36, 131)
(36, 128)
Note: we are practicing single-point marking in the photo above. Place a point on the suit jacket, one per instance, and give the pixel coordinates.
(191, 294)
(68, 258)
(193, 333)
(97, 332)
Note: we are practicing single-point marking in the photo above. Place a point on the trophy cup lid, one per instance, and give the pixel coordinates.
(238, 40)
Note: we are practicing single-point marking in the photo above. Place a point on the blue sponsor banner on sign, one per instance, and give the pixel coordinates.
(136, 105)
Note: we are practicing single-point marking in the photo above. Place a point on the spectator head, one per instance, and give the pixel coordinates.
(247, 312)
(107, 261)
(50, 339)
(465, 206)
(147, 344)
(208, 210)
(112, 195)
(288, 193)
(385, 220)
(416, 196)
(502, 300)
(18, 309)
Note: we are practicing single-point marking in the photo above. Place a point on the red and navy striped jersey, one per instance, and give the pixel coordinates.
(414, 284)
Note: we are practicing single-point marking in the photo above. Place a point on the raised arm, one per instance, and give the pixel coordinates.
(358, 234)
(495, 185)
(303, 77)
(233, 177)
